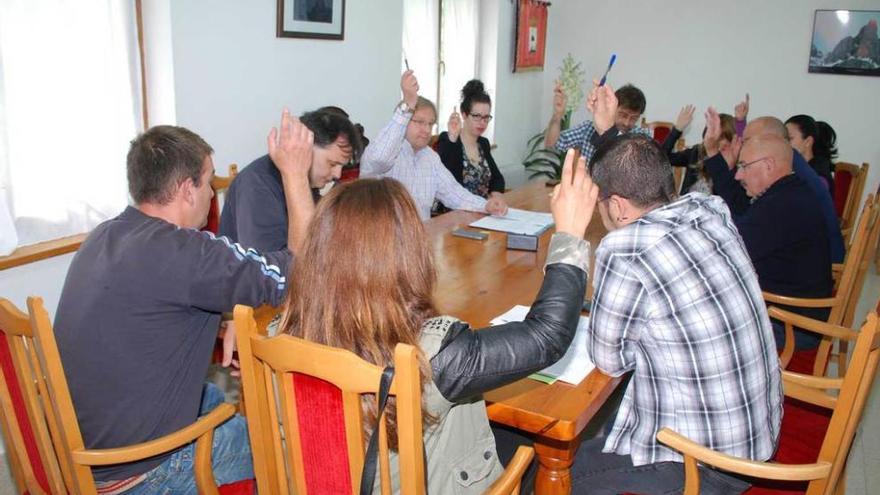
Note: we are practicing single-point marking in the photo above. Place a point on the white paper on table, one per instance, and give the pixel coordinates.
(575, 365)
(516, 222)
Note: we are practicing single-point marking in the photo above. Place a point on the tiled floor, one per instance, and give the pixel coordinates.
(863, 471)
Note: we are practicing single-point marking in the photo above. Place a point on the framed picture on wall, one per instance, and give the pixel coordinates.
(531, 35)
(321, 19)
(845, 42)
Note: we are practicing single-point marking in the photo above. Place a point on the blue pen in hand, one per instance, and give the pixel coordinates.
(610, 64)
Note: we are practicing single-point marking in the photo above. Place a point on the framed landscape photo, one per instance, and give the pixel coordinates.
(321, 19)
(531, 35)
(845, 42)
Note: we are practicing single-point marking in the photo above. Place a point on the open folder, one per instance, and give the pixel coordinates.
(574, 366)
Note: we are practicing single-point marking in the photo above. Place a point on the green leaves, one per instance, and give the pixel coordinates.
(542, 161)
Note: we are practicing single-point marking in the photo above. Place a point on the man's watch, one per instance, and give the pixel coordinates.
(403, 107)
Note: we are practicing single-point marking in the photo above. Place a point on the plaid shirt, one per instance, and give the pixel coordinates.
(677, 300)
(421, 172)
(580, 136)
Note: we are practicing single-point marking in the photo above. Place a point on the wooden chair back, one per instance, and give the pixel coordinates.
(845, 396)
(871, 242)
(283, 377)
(838, 302)
(76, 461)
(855, 177)
(219, 184)
(660, 129)
(31, 456)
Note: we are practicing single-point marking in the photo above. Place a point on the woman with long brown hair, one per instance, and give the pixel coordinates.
(364, 282)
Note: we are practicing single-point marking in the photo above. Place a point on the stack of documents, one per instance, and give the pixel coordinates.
(574, 366)
(517, 222)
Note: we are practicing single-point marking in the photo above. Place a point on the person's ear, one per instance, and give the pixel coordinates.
(618, 208)
(186, 190)
(808, 142)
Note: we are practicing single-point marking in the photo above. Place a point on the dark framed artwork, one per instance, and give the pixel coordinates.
(321, 19)
(845, 42)
(531, 35)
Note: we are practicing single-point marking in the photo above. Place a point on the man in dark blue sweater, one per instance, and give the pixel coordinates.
(774, 210)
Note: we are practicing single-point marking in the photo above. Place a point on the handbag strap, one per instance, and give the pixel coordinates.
(368, 474)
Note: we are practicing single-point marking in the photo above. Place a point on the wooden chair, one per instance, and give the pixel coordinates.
(219, 184)
(32, 460)
(319, 426)
(837, 303)
(846, 397)
(660, 129)
(75, 460)
(849, 180)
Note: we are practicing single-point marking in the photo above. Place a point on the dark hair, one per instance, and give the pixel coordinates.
(631, 97)
(160, 159)
(473, 92)
(327, 126)
(634, 167)
(334, 109)
(355, 296)
(824, 137)
(825, 144)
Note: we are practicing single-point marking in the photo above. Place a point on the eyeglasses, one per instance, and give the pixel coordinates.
(422, 123)
(742, 166)
(478, 117)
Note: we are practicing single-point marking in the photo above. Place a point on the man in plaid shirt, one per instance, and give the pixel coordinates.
(629, 113)
(677, 302)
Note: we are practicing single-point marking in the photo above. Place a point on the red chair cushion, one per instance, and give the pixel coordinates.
(802, 361)
(21, 416)
(842, 183)
(660, 134)
(243, 487)
(350, 174)
(322, 435)
(213, 224)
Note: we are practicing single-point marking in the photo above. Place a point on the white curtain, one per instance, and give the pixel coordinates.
(458, 52)
(420, 43)
(68, 109)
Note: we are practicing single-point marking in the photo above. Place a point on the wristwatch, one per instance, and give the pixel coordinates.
(403, 107)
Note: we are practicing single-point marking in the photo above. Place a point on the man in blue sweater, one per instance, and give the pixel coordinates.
(774, 210)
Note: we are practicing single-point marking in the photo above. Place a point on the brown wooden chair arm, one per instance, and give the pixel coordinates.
(836, 268)
(816, 326)
(131, 453)
(510, 479)
(765, 470)
(801, 302)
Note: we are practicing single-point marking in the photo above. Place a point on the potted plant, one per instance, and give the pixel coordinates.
(544, 161)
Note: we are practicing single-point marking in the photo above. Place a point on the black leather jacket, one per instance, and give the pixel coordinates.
(471, 362)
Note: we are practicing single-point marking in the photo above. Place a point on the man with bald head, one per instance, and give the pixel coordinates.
(774, 210)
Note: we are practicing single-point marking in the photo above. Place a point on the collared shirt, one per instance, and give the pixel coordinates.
(421, 172)
(580, 136)
(677, 301)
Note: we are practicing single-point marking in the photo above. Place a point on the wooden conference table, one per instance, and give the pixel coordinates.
(479, 280)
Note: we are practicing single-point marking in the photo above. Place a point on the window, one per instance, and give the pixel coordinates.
(69, 87)
(440, 45)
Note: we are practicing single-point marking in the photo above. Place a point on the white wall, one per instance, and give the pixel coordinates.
(712, 53)
(233, 76)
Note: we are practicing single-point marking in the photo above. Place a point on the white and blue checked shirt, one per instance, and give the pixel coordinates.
(421, 172)
(676, 300)
(580, 137)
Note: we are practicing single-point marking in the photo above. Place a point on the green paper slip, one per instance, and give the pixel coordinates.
(549, 380)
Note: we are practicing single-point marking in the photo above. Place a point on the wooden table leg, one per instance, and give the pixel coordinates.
(554, 463)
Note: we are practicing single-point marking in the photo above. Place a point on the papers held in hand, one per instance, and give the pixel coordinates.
(574, 366)
(517, 222)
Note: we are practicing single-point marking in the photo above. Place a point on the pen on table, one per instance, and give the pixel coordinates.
(610, 64)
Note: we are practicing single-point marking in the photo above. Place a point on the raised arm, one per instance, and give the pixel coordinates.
(471, 362)
(554, 128)
(380, 155)
(291, 151)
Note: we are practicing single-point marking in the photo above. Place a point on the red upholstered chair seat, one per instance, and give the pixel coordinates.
(350, 174)
(660, 134)
(842, 183)
(213, 224)
(243, 487)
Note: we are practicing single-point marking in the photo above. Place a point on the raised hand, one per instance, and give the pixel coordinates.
(602, 103)
(227, 332)
(453, 127)
(574, 199)
(409, 85)
(741, 111)
(291, 148)
(731, 152)
(559, 101)
(685, 116)
(496, 205)
(713, 132)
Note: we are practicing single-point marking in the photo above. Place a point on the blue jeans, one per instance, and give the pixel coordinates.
(802, 339)
(230, 456)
